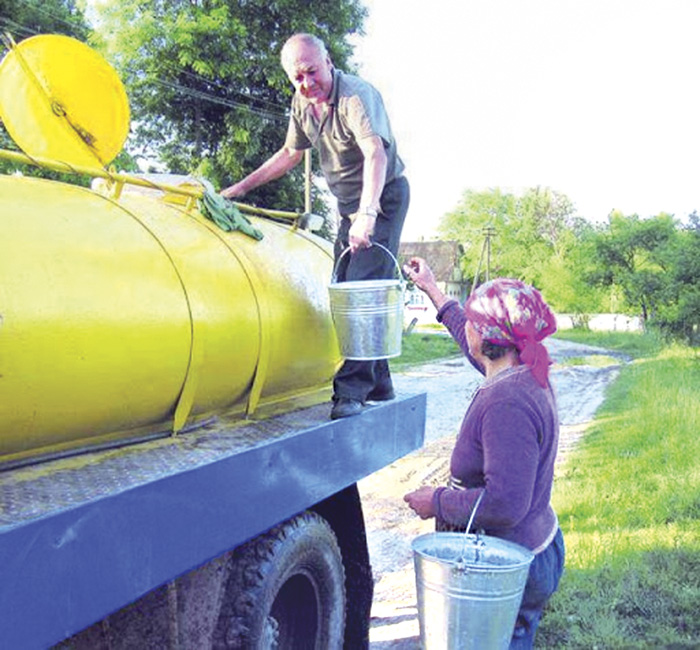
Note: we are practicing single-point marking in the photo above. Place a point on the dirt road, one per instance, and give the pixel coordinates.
(391, 525)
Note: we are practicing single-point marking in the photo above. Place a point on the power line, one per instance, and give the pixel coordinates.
(11, 25)
(59, 19)
(272, 115)
(221, 86)
(178, 69)
(199, 94)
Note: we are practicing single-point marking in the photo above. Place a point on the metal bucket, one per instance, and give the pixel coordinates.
(368, 315)
(469, 589)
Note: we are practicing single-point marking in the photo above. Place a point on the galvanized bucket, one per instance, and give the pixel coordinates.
(469, 590)
(368, 314)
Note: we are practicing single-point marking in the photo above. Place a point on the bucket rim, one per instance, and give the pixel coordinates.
(524, 556)
(397, 268)
(351, 285)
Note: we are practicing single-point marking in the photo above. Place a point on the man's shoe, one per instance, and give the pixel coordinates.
(344, 407)
(381, 395)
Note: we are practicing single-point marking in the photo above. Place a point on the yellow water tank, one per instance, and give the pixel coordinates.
(120, 317)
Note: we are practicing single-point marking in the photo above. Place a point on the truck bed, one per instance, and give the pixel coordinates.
(81, 537)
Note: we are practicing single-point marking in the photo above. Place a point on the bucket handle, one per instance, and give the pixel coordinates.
(469, 525)
(374, 243)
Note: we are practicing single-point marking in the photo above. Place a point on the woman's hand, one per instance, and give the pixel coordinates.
(421, 501)
(418, 272)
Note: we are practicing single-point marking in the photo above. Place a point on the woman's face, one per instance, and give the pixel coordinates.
(473, 340)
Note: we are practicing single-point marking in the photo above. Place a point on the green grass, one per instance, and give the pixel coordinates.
(628, 500)
(594, 360)
(422, 347)
(631, 343)
(431, 343)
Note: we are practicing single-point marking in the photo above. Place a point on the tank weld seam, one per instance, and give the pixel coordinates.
(264, 320)
(185, 399)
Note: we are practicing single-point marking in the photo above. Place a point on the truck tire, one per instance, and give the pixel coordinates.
(343, 511)
(285, 590)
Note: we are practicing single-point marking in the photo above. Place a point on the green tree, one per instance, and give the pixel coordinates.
(22, 19)
(680, 313)
(563, 277)
(529, 229)
(205, 81)
(637, 255)
(468, 222)
(25, 18)
(535, 239)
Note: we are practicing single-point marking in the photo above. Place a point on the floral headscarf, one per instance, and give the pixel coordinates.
(509, 312)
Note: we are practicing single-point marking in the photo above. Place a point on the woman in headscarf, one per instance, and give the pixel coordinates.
(508, 440)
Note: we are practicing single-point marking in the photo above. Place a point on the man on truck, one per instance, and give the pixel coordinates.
(344, 118)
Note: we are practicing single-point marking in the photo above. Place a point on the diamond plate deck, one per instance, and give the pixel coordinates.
(82, 536)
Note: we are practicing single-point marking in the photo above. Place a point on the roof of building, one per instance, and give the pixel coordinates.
(442, 256)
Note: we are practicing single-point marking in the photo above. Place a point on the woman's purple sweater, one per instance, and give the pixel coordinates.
(507, 444)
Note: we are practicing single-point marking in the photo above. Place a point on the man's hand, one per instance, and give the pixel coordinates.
(233, 192)
(277, 165)
(361, 231)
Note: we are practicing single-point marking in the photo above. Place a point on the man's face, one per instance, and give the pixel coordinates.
(310, 72)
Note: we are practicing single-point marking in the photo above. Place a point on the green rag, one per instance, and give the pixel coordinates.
(224, 213)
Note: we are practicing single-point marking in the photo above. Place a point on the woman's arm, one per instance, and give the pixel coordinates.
(418, 272)
(510, 461)
(450, 313)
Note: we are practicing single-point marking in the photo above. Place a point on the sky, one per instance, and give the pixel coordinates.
(595, 99)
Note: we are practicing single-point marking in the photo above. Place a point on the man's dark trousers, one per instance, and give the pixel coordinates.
(360, 379)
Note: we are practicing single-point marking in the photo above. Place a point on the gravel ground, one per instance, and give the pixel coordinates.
(391, 525)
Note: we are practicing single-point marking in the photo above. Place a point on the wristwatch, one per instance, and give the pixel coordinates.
(370, 212)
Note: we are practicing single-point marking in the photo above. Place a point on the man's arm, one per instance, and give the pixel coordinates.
(274, 167)
(373, 178)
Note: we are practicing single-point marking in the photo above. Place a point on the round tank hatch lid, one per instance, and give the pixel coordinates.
(60, 99)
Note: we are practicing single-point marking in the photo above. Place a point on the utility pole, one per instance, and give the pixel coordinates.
(488, 232)
(307, 181)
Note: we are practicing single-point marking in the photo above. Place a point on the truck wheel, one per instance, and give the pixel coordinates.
(285, 590)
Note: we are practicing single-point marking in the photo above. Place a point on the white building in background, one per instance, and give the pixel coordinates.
(444, 259)
(603, 322)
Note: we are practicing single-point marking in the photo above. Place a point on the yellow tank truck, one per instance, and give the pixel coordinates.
(169, 476)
